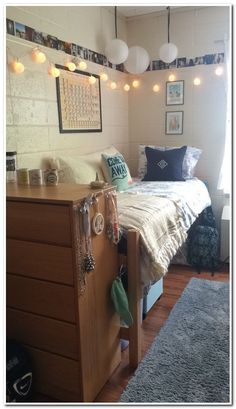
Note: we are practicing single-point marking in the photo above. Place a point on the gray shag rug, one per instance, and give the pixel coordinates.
(189, 359)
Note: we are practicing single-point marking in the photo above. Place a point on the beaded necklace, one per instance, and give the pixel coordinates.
(84, 258)
(113, 229)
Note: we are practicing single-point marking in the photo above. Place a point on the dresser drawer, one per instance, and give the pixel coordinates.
(38, 222)
(43, 333)
(37, 260)
(55, 376)
(41, 297)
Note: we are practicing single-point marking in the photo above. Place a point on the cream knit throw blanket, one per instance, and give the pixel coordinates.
(162, 231)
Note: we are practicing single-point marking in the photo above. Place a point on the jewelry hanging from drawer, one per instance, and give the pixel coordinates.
(84, 258)
(98, 219)
(113, 229)
(79, 249)
(89, 262)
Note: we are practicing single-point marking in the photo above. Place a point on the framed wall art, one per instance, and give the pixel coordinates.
(79, 102)
(174, 92)
(174, 123)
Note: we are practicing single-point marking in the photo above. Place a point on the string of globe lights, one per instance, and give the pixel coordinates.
(135, 59)
(38, 56)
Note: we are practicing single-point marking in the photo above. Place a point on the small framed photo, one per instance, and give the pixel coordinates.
(174, 123)
(10, 27)
(174, 92)
(20, 30)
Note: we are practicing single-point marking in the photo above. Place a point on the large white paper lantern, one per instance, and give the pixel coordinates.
(116, 51)
(168, 52)
(137, 61)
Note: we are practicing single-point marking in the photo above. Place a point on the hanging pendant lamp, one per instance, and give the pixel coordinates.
(137, 61)
(168, 52)
(116, 50)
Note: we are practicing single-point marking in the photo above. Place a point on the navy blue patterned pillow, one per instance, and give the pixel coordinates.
(165, 165)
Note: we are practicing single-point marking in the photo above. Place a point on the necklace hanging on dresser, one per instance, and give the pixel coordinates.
(79, 252)
(89, 262)
(84, 258)
(98, 219)
(113, 230)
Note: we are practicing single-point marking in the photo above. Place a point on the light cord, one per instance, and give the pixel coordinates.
(116, 21)
(168, 8)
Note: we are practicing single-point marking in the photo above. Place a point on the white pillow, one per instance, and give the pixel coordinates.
(191, 158)
(81, 169)
(74, 169)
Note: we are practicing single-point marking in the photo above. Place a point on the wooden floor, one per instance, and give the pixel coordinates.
(174, 284)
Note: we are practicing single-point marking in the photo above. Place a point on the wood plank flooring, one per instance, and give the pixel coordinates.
(174, 284)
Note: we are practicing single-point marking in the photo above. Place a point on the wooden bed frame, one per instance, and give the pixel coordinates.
(134, 333)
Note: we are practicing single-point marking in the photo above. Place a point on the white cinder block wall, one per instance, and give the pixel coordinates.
(32, 119)
(196, 32)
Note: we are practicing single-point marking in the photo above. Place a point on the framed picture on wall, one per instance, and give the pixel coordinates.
(79, 101)
(174, 92)
(10, 27)
(174, 123)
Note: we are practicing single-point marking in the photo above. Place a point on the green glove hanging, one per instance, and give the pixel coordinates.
(120, 301)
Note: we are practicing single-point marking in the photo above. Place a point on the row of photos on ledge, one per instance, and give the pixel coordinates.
(30, 34)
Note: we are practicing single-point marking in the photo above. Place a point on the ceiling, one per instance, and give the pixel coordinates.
(139, 10)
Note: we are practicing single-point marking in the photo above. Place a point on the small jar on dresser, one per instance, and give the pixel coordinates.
(68, 324)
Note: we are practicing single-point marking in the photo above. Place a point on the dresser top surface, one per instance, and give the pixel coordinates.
(62, 193)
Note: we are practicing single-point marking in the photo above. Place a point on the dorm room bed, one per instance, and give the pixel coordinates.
(155, 218)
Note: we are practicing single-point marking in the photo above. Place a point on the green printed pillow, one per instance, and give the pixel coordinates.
(114, 166)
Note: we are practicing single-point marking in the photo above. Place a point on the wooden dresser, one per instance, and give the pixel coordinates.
(73, 339)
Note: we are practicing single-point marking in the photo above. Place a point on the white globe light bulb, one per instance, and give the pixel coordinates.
(138, 60)
(171, 77)
(92, 80)
(104, 77)
(197, 81)
(126, 87)
(168, 52)
(71, 66)
(53, 71)
(116, 51)
(38, 56)
(17, 67)
(82, 65)
(135, 83)
(113, 85)
(219, 71)
(156, 88)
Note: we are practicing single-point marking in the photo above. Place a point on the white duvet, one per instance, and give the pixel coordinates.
(162, 212)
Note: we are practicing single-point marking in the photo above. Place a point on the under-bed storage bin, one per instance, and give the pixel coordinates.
(154, 293)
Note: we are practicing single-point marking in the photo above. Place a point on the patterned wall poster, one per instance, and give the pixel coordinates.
(79, 102)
